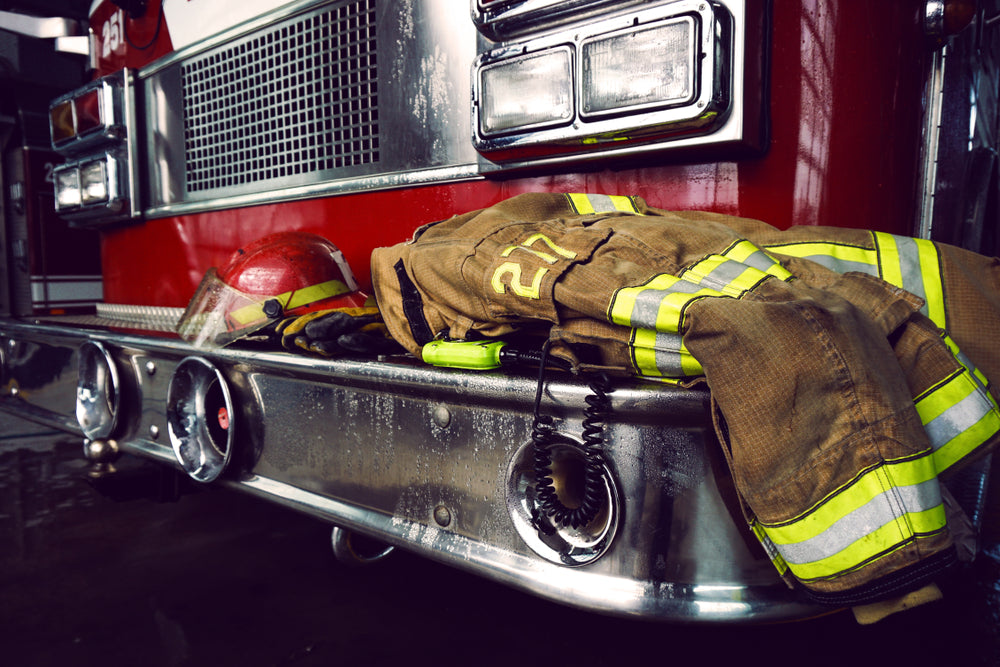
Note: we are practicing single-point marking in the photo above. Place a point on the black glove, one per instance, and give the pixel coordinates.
(337, 331)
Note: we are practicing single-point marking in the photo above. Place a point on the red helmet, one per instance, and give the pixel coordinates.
(282, 274)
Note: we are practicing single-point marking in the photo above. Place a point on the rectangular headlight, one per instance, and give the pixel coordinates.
(531, 91)
(67, 182)
(639, 69)
(94, 182)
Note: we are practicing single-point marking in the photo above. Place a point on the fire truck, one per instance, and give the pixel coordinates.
(198, 126)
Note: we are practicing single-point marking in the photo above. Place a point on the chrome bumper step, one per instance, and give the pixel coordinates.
(437, 461)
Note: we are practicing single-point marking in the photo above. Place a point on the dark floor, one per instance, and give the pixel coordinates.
(220, 578)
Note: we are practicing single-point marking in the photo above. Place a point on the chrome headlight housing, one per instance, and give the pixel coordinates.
(91, 126)
(666, 75)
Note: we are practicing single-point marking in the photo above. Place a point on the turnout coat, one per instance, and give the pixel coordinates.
(849, 370)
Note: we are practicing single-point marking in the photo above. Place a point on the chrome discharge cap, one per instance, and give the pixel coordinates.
(98, 393)
(561, 544)
(200, 419)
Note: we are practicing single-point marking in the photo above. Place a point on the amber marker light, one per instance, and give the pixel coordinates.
(61, 123)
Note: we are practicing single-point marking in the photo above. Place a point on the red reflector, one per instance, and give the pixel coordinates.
(61, 122)
(224, 419)
(88, 111)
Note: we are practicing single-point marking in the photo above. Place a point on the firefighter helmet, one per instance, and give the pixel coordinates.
(282, 274)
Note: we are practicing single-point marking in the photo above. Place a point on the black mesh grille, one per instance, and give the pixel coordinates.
(297, 98)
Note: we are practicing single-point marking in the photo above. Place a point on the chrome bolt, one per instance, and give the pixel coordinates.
(150, 368)
(441, 416)
(442, 515)
(154, 431)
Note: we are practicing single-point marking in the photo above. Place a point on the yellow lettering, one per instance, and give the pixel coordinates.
(568, 254)
(532, 291)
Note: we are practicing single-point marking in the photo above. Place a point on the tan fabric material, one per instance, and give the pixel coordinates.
(814, 378)
(870, 614)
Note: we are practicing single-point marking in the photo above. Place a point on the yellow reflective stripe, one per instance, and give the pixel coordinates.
(908, 263)
(913, 265)
(975, 373)
(880, 509)
(659, 354)
(877, 544)
(967, 441)
(747, 253)
(860, 490)
(290, 300)
(959, 415)
(585, 204)
(888, 256)
(837, 257)
(769, 548)
(730, 277)
(659, 304)
(930, 271)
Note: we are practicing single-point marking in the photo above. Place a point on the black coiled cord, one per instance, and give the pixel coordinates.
(542, 432)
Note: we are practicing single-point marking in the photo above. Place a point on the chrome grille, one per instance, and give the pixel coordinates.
(295, 99)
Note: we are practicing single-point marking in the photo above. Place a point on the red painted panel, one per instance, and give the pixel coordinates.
(121, 41)
(846, 86)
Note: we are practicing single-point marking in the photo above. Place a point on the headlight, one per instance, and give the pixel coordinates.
(532, 91)
(67, 182)
(90, 187)
(639, 69)
(94, 182)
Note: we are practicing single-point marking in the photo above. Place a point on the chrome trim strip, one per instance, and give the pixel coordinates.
(929, 148)
(381, 182)
(132, 151)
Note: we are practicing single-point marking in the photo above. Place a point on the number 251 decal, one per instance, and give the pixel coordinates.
(111, 33)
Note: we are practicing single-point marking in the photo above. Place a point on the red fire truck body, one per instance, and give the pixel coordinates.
(361, 120)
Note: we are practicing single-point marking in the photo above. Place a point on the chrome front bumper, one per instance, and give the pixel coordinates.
(435, 461)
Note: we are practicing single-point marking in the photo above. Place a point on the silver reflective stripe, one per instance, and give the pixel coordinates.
(602, 203)
(668, 348)
(722, 276)
(881, 510)
(761, 260)
(909, 268)
(647, 303)
(958, 418)
(841, 265)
